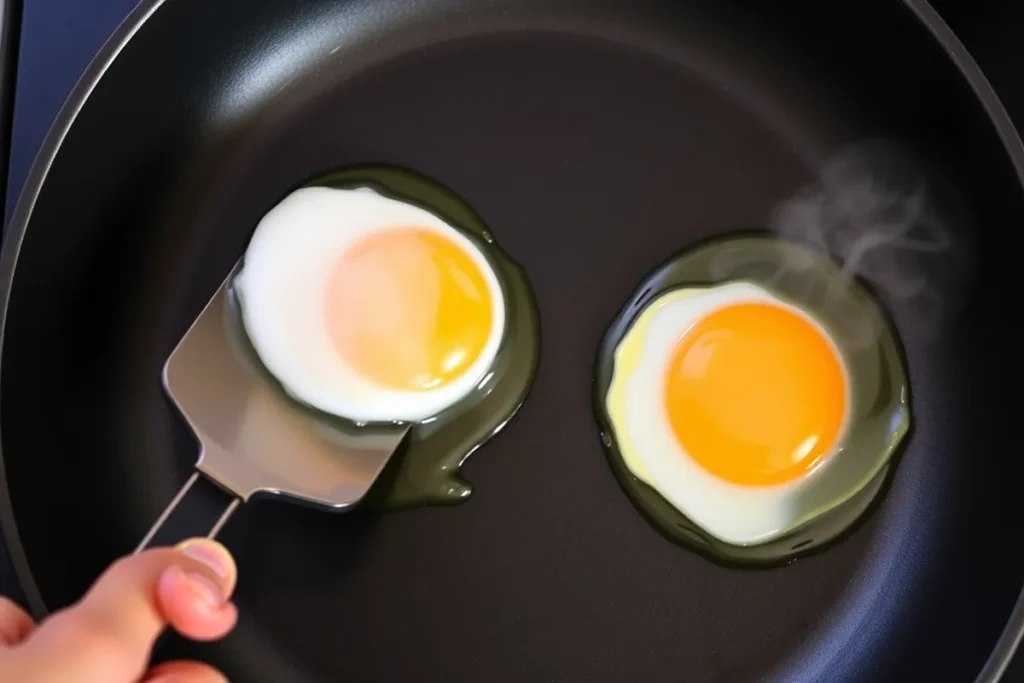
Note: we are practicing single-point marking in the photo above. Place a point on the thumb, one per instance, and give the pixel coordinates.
(108, 635)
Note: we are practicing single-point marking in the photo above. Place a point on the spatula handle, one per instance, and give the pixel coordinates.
(221, 520)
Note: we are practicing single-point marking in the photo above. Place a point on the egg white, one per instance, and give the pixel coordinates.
(282, 290)
(732, 513)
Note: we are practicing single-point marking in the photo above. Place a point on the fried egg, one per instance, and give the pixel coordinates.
(752, 398)
(729, 402)
(367, 307)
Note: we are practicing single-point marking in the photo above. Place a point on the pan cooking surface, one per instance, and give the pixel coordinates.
(593, 149)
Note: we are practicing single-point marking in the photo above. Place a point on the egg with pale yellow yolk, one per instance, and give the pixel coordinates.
(752, 416)
(367, 307)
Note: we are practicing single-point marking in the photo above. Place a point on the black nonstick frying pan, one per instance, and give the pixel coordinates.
(596, 138)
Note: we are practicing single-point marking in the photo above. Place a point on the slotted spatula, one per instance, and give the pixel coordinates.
(253, 440)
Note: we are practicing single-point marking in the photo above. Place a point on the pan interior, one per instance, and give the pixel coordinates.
(594, 139)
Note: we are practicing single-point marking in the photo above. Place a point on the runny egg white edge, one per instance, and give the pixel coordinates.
(732, 513)
(282, 289)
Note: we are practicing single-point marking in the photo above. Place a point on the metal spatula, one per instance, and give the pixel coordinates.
(255, 441)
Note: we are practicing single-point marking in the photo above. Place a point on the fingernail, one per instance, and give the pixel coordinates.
(212, 555)
(206, 589)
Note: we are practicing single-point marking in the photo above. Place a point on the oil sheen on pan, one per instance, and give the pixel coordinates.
(751, 398)
(372, 295)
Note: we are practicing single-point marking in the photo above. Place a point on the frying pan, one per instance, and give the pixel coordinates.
(595, 138)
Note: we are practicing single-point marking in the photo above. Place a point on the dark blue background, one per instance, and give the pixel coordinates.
(59, 38)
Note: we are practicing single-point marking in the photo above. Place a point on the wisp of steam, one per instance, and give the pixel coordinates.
(889, 222)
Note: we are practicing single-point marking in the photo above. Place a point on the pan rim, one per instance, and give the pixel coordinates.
(1013, 632)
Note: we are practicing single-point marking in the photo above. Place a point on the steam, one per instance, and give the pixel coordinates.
(888, 222)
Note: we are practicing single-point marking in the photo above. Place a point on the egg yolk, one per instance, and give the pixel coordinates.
(756, 394)
(408, 308)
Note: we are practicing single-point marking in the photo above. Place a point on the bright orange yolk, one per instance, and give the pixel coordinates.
(408, 308)
(756, 394)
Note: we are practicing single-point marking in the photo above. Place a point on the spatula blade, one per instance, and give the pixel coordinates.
(254, 439)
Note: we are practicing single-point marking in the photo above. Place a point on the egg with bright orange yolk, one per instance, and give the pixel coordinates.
(730, 403)
(367, 307)
(755, 393)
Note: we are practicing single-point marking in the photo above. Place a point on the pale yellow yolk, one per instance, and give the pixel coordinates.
(756, 394)
(409, 309)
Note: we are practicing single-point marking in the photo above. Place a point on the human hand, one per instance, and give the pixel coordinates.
(107, 636)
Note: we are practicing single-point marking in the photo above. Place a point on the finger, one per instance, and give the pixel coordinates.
(192, 672)
(193, 607)
(15, 623)
(108, 635)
